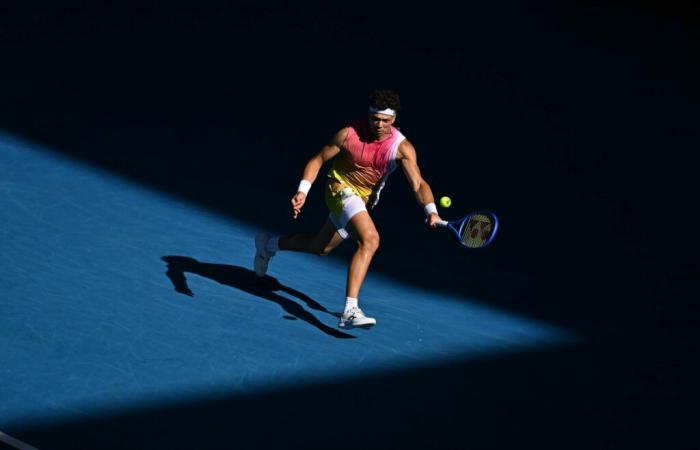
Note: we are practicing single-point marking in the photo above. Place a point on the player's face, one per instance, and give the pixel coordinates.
(380, 124)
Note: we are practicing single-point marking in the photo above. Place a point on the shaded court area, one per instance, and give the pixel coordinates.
(97, 324)
(142, 147)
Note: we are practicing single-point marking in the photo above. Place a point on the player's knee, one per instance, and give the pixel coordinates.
(370, 241)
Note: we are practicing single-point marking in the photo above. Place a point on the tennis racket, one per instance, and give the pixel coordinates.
(475, 230)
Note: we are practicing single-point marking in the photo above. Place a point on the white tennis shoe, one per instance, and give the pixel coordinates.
(262, 254)
(355, 318)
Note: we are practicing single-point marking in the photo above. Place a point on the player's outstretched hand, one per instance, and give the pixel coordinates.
(298, 202)
(432, 220)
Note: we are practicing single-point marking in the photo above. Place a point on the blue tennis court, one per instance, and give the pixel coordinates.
(142, 148)
(94, 323)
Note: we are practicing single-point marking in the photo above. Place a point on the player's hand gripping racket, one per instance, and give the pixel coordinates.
(475, 230)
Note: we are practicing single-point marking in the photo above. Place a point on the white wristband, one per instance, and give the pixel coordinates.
(430, 208)
(304, 186)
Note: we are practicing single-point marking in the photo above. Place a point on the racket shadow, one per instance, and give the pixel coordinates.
(246, 280)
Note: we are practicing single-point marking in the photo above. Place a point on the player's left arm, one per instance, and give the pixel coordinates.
(424, 195)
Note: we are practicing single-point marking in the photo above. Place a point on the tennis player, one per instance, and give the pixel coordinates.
(364, 154)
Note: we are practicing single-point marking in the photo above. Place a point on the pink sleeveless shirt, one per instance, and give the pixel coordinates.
(364, 165)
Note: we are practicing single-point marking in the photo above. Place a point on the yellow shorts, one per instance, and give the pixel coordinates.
(343, 203)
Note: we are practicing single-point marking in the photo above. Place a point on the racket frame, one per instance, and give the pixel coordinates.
(457, 226)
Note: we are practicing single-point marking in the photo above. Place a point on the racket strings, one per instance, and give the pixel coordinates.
(476, 230)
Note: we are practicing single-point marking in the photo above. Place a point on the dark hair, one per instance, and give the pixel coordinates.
(385, 99)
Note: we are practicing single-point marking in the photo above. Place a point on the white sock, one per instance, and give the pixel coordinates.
(273, 244)
(350, 303)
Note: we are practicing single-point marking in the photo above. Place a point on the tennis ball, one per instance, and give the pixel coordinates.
(445, 202)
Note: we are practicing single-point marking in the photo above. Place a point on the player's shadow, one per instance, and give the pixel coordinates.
(246, 280)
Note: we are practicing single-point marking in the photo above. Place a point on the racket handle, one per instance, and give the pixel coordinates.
(441, 223)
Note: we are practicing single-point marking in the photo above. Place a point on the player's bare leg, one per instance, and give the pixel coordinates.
(321, 243)
(362, 229)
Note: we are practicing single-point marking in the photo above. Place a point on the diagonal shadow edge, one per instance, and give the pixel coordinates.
(542, 396)
(449, 283)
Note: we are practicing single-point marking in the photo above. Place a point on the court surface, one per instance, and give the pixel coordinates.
(117, 298)
(142, 148)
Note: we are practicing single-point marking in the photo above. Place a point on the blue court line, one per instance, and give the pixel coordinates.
(15, 443)
(92, 324)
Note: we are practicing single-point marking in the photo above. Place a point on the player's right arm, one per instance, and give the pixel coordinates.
(313, 166)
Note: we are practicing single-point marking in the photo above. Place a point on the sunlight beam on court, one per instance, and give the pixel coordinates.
(91, 324)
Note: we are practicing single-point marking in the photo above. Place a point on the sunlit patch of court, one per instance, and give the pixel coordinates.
(117, 297)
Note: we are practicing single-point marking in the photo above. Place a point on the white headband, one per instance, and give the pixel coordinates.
(388, 111)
